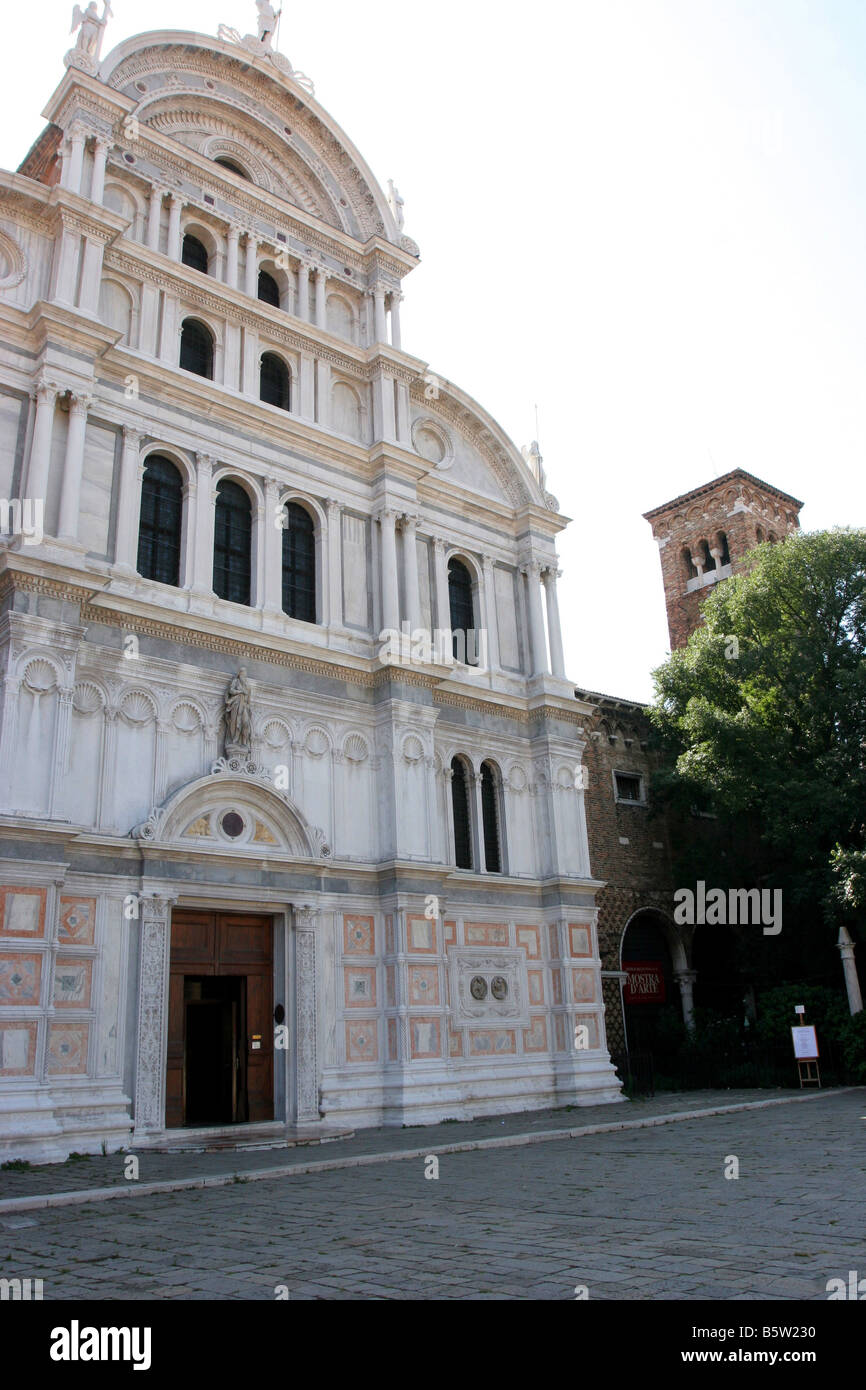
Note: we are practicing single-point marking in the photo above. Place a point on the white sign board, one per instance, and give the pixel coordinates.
(805, 1043)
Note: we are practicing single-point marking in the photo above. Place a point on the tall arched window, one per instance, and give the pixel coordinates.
(689, 564)
(299, 564)
(194, 253)
(723, 542)
(275, 385)
(196, 348)
(462, 613)
(490, 816)
(709, 560)
(460, 807)
(232, 544)
(160, 521)
(269, 290)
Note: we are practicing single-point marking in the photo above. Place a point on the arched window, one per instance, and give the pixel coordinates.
(275, 385)
(160, 521)
(490, 816)
(230, 164)
(232, 544)
(759, 534)
(299, 564)
(691, 571)
(460, 807)
(196, 348)
(462, 613)
(723, 542)
(194, 253)
(709, 560)
(269, 290)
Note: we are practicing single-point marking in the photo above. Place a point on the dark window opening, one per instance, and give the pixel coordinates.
(709, 560)
(194, 254)
(269, 290)
(299, 565)
(230, 164)
(463, 634)
(196, 349)
(723, 542)
(628, 787)
(490, 815)
(232, 548)
(275, 382)
(161, 517)
(691, 569)
(460, 806)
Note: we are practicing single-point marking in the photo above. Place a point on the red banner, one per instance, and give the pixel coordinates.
(645, 983)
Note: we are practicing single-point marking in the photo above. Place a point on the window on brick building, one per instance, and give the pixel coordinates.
(723, 543)
(629, 786)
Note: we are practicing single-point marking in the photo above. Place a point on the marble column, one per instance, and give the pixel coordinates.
(335, 565)
(100, 158)
(232, 257)
(396, 338)
(686, 981)
(303, 304)
(73, 168)
(306, 1024)
(557, 659)
(490, 620)
(380, 327)
(443, 646)
(40, 446)
(849, 965)
(321, 288)
(273, 602)
(536, 618)
(410, 571)
(390, 597)
(204, 526)
(65, 264)
(154, 217)
(129, 494)
(153, 985)
(251, 385)
(251, 267)
(70, 492)
(175, 208)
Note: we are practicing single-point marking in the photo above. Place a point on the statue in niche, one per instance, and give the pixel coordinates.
(396, 203)
(92, 28)
(238, 738)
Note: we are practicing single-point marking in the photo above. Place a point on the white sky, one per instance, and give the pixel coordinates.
(647, 217)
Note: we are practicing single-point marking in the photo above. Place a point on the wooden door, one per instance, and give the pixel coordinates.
(224, 944)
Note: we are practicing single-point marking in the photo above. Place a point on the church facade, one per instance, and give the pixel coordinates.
(292, 821)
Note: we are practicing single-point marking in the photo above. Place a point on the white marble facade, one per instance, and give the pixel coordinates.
(113, 776)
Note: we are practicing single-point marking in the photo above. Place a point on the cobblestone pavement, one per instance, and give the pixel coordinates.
(635, 1214)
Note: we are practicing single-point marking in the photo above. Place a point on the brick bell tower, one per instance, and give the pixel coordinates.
(704, 535)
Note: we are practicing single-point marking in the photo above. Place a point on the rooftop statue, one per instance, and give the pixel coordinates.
(397, 204)
(268, 18)
(85, 54)
(262, 45)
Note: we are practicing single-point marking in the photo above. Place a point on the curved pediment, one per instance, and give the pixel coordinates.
(233, 812)
(197, 89)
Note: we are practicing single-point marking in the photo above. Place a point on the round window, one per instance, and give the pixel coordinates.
(232, 824)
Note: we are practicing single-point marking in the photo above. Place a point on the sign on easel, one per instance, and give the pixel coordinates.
(806, 1051)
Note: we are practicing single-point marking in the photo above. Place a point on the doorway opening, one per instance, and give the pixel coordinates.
(215, 1079)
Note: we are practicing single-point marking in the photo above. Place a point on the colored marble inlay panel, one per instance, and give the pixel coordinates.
(20, 979)
(556, 982)
(591, 1023)
(455, 1044)
(536, 986)
(17, 1048)
(423, 984)
(22, 911)
(535, 1038)
(579, 940)
(553, 933)
(67, 1048)
(422, 935)
(450, 933)
(583, 983)
(491, 1042)
(362, 1044)
(559, 1031)
(530, 939)
(389, 935)
(77, 921)
(425, 1037)
(72, 983)
(486, 934)
(390, 986)
(360, 986)
(392, 1039)
(359, 936)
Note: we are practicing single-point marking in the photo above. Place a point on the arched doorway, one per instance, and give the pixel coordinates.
(651, 995)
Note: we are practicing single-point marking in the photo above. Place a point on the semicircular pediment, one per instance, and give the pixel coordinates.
(233, 813)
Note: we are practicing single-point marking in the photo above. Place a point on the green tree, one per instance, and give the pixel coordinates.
(763, 715)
